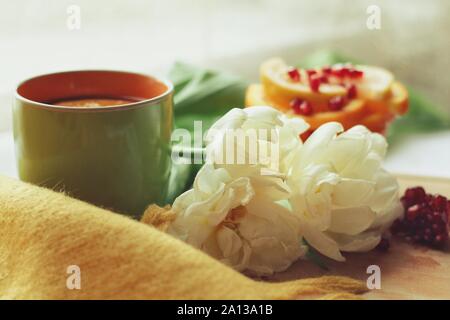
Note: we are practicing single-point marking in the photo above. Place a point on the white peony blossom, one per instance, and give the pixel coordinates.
(257, 137)
(344, 199)
(237, 222)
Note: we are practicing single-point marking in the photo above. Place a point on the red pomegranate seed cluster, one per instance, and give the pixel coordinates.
(426, 219)
(318, 77)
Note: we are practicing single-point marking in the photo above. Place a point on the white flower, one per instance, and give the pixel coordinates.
(260, 137)
(339, 197)
(232, 221)
(344, 199)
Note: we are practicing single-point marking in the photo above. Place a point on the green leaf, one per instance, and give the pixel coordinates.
(204, 95)
(422, 116)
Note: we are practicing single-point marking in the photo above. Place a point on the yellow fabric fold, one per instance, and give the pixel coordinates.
(42, 233)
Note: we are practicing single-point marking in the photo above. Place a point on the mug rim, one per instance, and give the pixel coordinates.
(127, 106)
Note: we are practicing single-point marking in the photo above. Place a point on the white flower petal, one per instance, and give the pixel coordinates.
(199, 212)
(232, 119)
(321, 242)
(226, 246)
(351, 221)
(352, 192)
(210, 179)
(229, 242)
(387, 215)
(315, 146)
(386, 190)
(361, 243)
(273, 234)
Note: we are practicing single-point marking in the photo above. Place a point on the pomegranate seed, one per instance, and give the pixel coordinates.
(440, 202)
(340, 70)
(356, 74)
(306, 108)
(314, 82)
(327, 70)
(411, 212)
(426, 218)
(295, 103)
(294, 74)
(336, 103)
(339, 73)
(301, 107)
(323, 79)
(310, 72)
(413, 196)
(346, 71)
(352, 92)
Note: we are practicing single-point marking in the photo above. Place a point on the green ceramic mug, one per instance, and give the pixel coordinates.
(117, 157)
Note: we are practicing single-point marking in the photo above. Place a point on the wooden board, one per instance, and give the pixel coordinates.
(407, 271)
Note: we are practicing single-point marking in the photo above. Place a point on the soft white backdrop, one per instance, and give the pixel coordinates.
(235, 35)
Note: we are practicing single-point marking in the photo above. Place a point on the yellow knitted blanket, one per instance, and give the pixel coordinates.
(56, 247)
